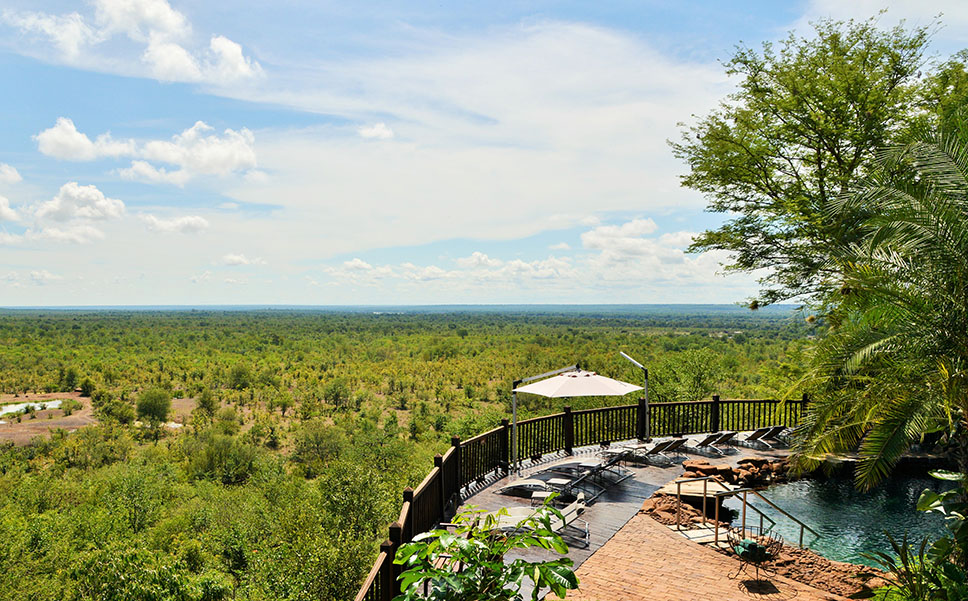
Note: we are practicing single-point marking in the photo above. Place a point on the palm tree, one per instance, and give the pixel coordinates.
(893, 365)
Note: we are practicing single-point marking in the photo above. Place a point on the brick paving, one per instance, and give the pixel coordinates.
(647, 561)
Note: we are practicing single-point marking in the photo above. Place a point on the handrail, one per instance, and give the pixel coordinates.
(732, 493)
(482, 435)
(371, 577)
(681, 481)
(774, 506)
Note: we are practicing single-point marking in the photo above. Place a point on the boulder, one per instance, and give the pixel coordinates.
(691, 465)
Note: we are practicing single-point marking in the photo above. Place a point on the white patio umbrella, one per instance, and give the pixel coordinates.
(578, 383)
(567, 382)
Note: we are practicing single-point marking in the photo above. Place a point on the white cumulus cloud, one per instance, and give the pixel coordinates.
(9, 175)
(161, 35)
(380, 131)
(197, 150)
(226, 62)
(6, 213)
(64, 141)
(189, 224)
(74, 201)
(146, 172)
(69, 33)
(478, 259)
(139, 19)
(169, 61)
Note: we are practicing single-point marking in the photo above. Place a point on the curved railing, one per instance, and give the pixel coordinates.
(475, 459)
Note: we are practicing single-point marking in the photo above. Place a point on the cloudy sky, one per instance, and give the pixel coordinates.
(192, 152)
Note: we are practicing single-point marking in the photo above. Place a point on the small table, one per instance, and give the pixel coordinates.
(558, 482)
(541, 496)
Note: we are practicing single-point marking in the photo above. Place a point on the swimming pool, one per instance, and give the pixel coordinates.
(850, 522)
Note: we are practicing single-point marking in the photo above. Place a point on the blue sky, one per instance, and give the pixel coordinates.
(187, 152)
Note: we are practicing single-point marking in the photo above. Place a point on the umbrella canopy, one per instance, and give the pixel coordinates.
(578, 383)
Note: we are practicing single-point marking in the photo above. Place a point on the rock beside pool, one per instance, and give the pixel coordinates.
(663, 510)
(839, 578)
(750, 471)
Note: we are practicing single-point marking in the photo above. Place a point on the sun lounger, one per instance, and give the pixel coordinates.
(706, 445)
(774, 437)
(564, 526)
(607, 471)
(755, 438)
(725, 440)
(523, 487)
(674, 447)
(656, 454)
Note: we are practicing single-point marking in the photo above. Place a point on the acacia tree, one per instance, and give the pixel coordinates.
(154, 405)
(802, 126)
(895, 361)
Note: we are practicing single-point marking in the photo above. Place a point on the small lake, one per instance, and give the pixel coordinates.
(20, 407)
(851, 522)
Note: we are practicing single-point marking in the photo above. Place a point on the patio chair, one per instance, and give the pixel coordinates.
(754, 547)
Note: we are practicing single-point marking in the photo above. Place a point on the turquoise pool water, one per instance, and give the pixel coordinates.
(851, 522)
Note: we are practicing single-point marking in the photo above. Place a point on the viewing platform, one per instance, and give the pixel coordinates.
(613, 509)
(473, 470)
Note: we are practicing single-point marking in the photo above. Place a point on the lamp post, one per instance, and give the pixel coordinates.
(514, 410)
(645, 391)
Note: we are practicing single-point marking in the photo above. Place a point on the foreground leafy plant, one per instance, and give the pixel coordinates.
(467, 564)
(935, 571)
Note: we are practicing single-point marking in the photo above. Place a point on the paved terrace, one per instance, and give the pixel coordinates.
(631, 556)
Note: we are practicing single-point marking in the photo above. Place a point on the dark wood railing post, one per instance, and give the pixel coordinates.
(568, 425)
(714, 414)
(803, 408)
(641, 417)
(386, 573)
(408, 524)
(506, 445)
(442, 487)
(396, 539)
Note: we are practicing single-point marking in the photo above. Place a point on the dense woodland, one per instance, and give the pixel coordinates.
(306, 426)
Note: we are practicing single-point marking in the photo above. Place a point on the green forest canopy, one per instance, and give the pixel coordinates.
(308, 425)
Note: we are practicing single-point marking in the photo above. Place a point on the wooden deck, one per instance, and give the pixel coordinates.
(612, 510)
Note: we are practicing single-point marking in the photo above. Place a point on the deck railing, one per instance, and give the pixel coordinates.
(474, 460)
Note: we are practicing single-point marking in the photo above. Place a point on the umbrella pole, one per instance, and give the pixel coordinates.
(514, 428)
(645, 390)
